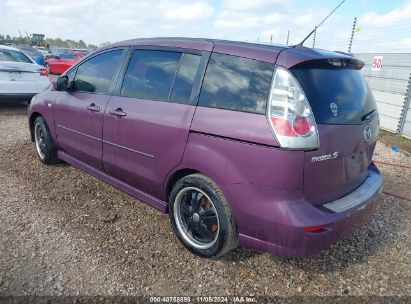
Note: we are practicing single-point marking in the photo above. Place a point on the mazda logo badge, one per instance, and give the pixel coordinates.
(367, 133)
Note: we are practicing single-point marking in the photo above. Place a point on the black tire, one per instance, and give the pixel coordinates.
(225, 238)
(45, 149)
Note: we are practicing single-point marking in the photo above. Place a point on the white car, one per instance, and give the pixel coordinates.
(20, 77)
(44, 51)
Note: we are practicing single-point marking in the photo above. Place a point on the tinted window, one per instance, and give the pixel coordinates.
(345, 87)
(183, 84)
(236, 83)
(12, 55)
(95, 74)
(150, 74)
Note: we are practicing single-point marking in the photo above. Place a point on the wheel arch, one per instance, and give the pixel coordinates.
(175, 177)
(32, 118)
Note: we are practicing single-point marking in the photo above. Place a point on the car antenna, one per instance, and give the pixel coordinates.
(315, 28)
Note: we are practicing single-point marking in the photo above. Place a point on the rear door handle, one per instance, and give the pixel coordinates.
(93, 108)
(117, 112)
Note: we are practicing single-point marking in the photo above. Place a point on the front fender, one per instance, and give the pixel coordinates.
(43, 104)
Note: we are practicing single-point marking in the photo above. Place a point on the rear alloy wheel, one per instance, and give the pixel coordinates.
(44, 144)
(201, 217)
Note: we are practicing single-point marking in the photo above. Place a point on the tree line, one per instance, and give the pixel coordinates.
(52, 42)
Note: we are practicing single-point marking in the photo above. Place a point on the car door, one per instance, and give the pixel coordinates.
(146, 126)
(79, 111)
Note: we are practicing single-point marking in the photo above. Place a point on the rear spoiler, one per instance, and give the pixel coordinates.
(300, 56)
(331, 63)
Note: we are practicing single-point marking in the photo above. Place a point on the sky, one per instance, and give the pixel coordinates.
(382, 26)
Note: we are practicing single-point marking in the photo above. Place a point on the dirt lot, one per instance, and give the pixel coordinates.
(57, 238)
(390, 139)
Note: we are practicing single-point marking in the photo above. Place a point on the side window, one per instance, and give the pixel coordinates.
(236, 83)
(95, 74)
(183, 84)
(150, 74)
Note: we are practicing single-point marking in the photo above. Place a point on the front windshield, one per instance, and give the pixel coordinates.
(12, 55)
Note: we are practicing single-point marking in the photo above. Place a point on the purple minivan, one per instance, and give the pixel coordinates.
(263, 146)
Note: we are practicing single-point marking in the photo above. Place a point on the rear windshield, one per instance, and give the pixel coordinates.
(29, 50)
(68, 56)
(336, 95)
(11, 55)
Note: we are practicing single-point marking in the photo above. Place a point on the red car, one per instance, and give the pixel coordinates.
(62, 62)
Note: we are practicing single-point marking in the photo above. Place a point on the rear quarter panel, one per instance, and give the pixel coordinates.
(238, 148)
(229, 161)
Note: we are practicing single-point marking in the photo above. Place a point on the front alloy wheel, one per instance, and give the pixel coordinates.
(45, 149)
(39, 139)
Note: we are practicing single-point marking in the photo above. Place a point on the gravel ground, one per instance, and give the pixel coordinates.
(64, 232)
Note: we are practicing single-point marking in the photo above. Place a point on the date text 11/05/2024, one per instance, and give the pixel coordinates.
(203, 299)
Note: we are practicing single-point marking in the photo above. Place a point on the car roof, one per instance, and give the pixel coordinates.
(265, 52)
(291, 56)
(6, 47)
(194, 40)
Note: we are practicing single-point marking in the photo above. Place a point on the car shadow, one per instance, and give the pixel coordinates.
(239, 254)
(11, 108)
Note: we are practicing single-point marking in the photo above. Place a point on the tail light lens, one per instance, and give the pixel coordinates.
(290, 115)
(44, 72)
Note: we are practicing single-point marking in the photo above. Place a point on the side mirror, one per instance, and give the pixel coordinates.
(62, 83)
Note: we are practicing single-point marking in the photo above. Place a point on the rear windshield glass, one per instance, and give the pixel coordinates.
(28, 50)
(68, 56)
(336, 95)
(11, 55)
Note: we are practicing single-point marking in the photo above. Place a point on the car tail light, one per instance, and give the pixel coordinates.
(290, 115)
(315, 228)
(44, 72)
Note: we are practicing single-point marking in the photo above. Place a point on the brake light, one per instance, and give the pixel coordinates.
(290, 115)
(314, 229)
(44, 72)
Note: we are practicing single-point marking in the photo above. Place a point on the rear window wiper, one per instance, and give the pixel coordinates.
(369, 116)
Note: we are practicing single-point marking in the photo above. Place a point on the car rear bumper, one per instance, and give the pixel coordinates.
(16, 96)
(273, 220)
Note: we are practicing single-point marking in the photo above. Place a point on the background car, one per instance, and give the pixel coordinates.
(85, 52)
(44, 51)
(34, 54)
(20, 77)
(62, 62)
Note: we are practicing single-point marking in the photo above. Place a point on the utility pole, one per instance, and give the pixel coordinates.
(315, 35)
(288, 36)
(271, 38)
(352, 34)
